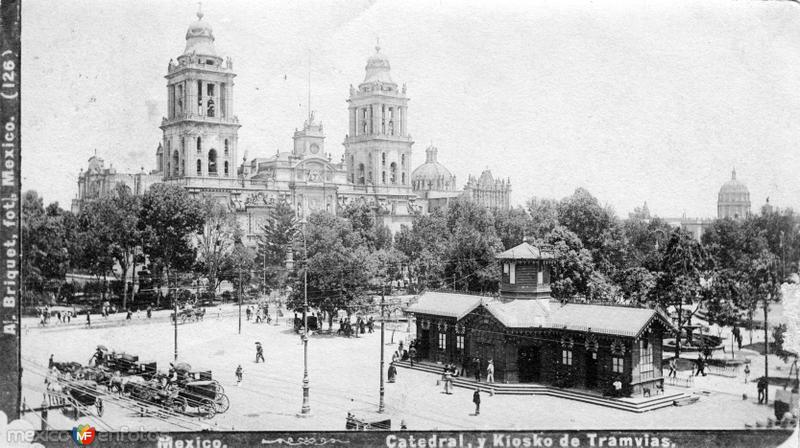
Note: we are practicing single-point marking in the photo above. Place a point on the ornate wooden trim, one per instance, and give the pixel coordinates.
(591, 343)
(618, 347)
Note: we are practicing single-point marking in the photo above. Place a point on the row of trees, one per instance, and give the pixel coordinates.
(600, 257)
(166, 228)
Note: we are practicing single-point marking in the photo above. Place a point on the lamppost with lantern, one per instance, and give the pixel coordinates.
(305, 410)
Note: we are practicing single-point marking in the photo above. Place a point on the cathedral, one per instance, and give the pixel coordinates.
(199, 147)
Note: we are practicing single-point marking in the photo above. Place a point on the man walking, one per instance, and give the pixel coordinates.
(412, 354)
(761, 385)
(476, 398)
(259, 353)
(490, 372)
(239, 374)
(701, 366)
(746, 373)
(476, 367)
(673, 370)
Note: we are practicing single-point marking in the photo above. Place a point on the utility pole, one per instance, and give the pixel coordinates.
(383, 305)
(240, 300)
(175, 318)
(305, 410)
(766, 351)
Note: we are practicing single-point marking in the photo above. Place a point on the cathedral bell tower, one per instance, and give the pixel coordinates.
(378, 146)
(200, 129)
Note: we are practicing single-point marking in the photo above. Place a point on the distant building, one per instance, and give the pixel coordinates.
(530, 338)
(488, 191)
(200, 146)
(98, 181)
(734, 199)
(432, 182)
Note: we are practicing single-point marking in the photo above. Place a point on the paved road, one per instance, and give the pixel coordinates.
(344, 374)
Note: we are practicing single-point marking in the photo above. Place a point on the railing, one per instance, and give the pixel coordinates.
(726, 371)
(679, 381)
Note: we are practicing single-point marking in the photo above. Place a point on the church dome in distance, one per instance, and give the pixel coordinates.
(734, 199)
(432, 175)
(200, 38)
(734, 190)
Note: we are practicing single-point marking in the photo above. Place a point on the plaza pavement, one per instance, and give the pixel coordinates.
(344, 375)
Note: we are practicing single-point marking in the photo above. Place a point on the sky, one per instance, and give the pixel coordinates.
(635, 101)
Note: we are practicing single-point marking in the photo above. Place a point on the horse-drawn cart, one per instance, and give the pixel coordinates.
(84, 397)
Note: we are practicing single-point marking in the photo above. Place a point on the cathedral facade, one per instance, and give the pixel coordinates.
(199, 149)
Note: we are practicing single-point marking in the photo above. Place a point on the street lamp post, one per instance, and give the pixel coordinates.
(174, 317)
(305, 410)
(240, 300)
(383, 305)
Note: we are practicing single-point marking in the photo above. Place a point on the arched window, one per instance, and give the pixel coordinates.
(369, 177)
(403, 177)
(393, 173)
(199, 145)
(168, 168)
(180, 99)
(383, 119)
(212, 162)
(226, 146)
(226, 167)
(403, 160)
(383, 177)
(210, 108)
(199, 167)
(183, 146)
(383, 159)
(361, 173)
(176, 160)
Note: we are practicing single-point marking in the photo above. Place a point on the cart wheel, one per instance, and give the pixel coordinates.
(222, 403)
(98, 404)
(218, 387)
(207, 409)
(179, 405)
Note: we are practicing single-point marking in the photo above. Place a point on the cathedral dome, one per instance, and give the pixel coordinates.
(378, 68)
(734, 199)
(734, 190)
(200, 38)
(432, 175)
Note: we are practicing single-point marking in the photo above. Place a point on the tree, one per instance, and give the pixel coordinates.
(425, 245)
(337, 262)
(781, 230)
(274, 244)
(723, 298)
(635, 284)
(573, 265)
(641, 238)
(111, 225)
(596, 226)
(168, 221)
(215, 243)
(544, 217)
(472, 246)
(511, 226)
(366, 225)
(238, 266)
(683, 263)
(48, 246)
